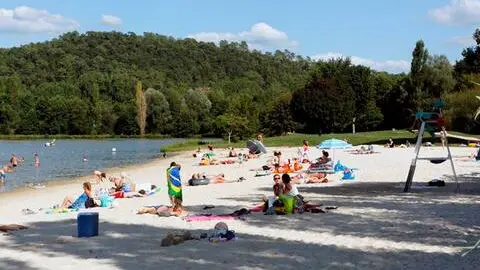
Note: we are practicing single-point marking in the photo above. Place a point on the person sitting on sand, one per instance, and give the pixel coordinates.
(68, 202)
(273, 201)
(324, 159)
(289, 188)
(100, 176)
(277, 158)
(297, 166)
(277, 186)
(175, 210)
(232, 153)
(390, 143)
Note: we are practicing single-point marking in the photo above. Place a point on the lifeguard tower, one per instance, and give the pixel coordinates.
(430, 122)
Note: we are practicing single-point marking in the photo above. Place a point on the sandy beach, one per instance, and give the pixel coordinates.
(376, 225)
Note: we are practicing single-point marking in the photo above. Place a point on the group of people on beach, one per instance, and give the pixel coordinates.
(114, 186)
(281, 168)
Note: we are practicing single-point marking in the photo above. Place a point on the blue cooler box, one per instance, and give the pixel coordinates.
(87, 224)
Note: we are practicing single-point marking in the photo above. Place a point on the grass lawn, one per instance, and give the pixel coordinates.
(374, 137)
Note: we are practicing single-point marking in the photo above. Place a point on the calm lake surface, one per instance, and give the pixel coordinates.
(65, 159)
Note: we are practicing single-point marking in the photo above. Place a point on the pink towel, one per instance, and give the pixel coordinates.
(208, 218)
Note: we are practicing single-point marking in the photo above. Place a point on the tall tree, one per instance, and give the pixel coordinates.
(158, 112)
(141, 107)
(324, 105)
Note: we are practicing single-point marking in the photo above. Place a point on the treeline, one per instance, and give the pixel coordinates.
(115, 83)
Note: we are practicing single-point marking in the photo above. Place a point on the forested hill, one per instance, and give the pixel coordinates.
(115, 83)
(159, 61)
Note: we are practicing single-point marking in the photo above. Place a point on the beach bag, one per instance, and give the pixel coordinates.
(288, 203)
(339, 167)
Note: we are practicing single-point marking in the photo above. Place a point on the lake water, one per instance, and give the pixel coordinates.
(65, 159)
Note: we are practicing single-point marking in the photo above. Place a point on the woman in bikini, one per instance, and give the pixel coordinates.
(175, 210)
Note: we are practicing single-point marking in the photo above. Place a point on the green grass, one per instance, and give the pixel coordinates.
(375, 137)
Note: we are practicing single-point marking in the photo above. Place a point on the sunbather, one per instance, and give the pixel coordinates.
(175, 210)
(232, 153)
(100, 176)
(12, 227)
(310, 178)
(390, 143)
(80, 202)
(213, 179)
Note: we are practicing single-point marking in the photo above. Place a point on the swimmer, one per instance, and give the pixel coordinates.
(36, 160)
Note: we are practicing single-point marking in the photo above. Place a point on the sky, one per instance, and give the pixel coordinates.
(380, 34)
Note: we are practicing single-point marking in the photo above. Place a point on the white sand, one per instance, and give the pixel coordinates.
(376, 226)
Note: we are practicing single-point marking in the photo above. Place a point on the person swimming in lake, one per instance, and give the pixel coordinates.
(80, 202)
(36, 160)
(14, 161)
(3, 175)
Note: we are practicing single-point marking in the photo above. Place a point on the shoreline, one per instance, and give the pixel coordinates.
(84, 178)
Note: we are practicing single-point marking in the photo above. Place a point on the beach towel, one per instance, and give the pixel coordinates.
(238, 214)
(209, 217)
(152, 192)
(61, 211)
(174, 182)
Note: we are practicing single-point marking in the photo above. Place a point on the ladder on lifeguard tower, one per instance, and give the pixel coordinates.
(436, 160)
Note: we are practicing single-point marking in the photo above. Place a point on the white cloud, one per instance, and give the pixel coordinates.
(393, 66)
(111, 20)
(458, 12)
(260, 36)
(30, 20)
(463, 40)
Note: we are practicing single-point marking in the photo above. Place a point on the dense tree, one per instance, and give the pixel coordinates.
(278, 116)
(158, 112)
(87, 84)
(325, 105)
(232, 127)
(141, 107)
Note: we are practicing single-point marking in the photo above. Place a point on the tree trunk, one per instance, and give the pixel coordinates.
(141, 108)
(229, 136)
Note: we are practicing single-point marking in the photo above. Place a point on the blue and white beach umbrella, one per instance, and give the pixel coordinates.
(334, 144)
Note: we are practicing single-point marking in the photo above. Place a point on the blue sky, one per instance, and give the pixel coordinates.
(377, 33)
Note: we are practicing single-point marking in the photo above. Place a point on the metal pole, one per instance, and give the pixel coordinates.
(413, 165)
(444, 133)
